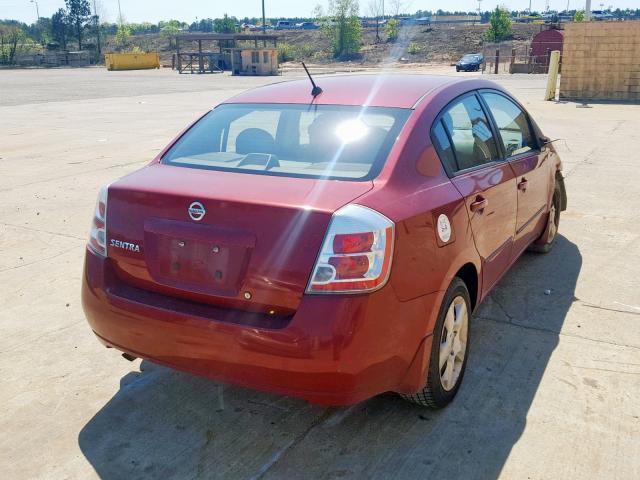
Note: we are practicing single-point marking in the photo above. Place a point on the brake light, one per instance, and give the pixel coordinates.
(98, 234)
(356, 253)
(353, 242)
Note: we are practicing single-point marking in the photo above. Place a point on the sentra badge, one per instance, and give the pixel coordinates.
(132, 247)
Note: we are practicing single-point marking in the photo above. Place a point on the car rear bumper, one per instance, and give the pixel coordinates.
(335, 349)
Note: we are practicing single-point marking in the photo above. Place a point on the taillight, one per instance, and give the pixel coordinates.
(356, 252)
(98, 234)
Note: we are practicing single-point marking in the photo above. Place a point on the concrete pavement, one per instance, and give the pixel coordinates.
(553, 382)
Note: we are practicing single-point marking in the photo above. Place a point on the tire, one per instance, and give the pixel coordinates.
(556, 207)
(457, 69)
(440, 389)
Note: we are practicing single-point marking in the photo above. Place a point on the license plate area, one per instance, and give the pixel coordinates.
(198, 258)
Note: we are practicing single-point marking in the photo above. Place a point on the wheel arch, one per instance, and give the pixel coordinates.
(470, 276)
(563, 191)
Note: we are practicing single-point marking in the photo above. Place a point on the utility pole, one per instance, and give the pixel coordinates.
(119, 14)
(97, 23)
(587, 11)
(37, 10)
(264, 25)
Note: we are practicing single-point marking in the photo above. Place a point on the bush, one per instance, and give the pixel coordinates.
(392, 29)
(285, 52)
(579, 16)
(302, 51)
(414, 48)
(122, 35)
(288, 52)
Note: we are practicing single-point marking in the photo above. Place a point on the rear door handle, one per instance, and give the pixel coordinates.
(522, 185)
(479, 204)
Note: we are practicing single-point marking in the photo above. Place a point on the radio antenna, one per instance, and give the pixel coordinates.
(316, 90)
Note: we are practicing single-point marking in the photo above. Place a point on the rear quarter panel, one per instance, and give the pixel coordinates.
(413, 190)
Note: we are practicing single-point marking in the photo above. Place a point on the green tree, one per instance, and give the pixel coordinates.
(392, 29)
(78, 12)
(169, 30)
(343, 28)
(11, 37)
(122, 35)
(224, 25)
(500, 25)
(579, 16)
(59, 28)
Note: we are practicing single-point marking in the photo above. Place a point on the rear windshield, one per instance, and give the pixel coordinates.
(316, 141)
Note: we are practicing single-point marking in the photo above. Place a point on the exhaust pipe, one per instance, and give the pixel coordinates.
(131, 358)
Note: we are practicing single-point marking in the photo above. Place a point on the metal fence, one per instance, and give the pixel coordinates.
(53, 59)
(507, 57)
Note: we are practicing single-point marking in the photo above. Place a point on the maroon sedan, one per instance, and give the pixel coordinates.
(330, 246)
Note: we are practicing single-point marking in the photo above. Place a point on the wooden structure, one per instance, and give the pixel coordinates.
(214, 50)
(254, 61)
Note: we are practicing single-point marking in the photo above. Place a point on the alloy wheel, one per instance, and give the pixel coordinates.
(553, 228)
(453, 343)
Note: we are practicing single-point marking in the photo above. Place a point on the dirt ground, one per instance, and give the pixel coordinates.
(552, 386)
(416, 44)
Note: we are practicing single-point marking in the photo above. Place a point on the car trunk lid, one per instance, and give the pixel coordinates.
(253, 248)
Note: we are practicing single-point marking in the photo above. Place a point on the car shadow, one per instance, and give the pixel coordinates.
(167, 424)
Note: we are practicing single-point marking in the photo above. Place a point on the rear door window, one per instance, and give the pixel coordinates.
(468, 131)
(443, 145)
(512, 123)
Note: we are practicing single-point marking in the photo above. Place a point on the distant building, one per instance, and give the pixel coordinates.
(542, 44)
(446, 19)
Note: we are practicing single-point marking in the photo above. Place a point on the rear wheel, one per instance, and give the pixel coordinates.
(449, 350)
(551, 232)
(457, 69)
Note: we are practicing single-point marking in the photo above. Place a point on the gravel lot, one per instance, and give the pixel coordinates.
(553, 383)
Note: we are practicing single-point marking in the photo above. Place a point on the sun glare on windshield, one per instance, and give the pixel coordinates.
(351, 130)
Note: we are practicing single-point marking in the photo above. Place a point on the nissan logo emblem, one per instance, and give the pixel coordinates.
(196, 211)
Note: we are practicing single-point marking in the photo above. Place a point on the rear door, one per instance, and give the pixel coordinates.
(529, 165)
(469, 149)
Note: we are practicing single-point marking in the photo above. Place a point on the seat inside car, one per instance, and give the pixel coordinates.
(255, 140)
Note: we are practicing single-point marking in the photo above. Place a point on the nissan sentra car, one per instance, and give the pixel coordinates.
(330, 246)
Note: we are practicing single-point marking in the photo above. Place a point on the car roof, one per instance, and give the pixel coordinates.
(378, 90)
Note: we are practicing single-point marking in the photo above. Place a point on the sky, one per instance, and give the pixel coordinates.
(189, 10)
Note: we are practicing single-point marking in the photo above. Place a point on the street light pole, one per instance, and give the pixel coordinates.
(97, 21)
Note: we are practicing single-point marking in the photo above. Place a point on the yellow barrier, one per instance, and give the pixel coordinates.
(552, 79)
(131, 61)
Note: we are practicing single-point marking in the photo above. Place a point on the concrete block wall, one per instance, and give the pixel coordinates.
(601, 61)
